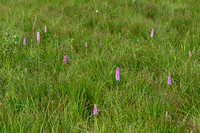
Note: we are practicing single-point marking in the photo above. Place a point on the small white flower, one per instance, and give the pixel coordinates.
(97, 11)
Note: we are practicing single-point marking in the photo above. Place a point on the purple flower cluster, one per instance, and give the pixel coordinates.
(86, 45)
(24, 41)
(169, 80)
(95, 109)
(152, 32)
(65, 59)
(45, 29)
(117, 74)
(38, 36)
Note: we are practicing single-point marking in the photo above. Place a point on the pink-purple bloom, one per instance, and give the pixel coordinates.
(38, 36)
(169, 80)
(100, 44)
(86, 45)
(166, 114)
(117, 74)
(95, 109)
(45, 29)
(152, 32)
(190, 53)
(24, 41)
(65, 59)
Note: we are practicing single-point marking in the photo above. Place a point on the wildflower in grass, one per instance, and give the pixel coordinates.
(65, 59)
(169, 80)
(190, 53)
(97, 10)
(86, 45)
(166, 114)
(95, 109)
(24, 42)
(45, 29)
(152, 32)
(117, 74)
(38, 36)
(100, 44)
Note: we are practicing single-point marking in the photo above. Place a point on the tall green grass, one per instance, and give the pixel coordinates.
(39, 93)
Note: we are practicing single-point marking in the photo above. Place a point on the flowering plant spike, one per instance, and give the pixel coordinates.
(38, 36)
(169, 80)
(190, 53)
(24, 42)
(65, 59)
(117, 74)
(152, 32)
(95, 109)
(166, 114)
(86, 45)
(45, 29)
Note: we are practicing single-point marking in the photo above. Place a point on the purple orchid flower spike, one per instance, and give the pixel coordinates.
(152, 32)
(24, 41)
(117, 74)
(38, 36)
(86, 45)
(190, 53)
(45, 29)
(100, 44)
(169, 80)
(65, 59)
(95, 109)
(166, 114)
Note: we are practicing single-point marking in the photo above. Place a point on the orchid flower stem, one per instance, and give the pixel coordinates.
(117, 92)
(96, 122)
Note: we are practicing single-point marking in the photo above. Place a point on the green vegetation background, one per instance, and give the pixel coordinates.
(38, 93)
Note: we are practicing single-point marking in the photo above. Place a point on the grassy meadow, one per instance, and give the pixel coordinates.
(40, 93)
